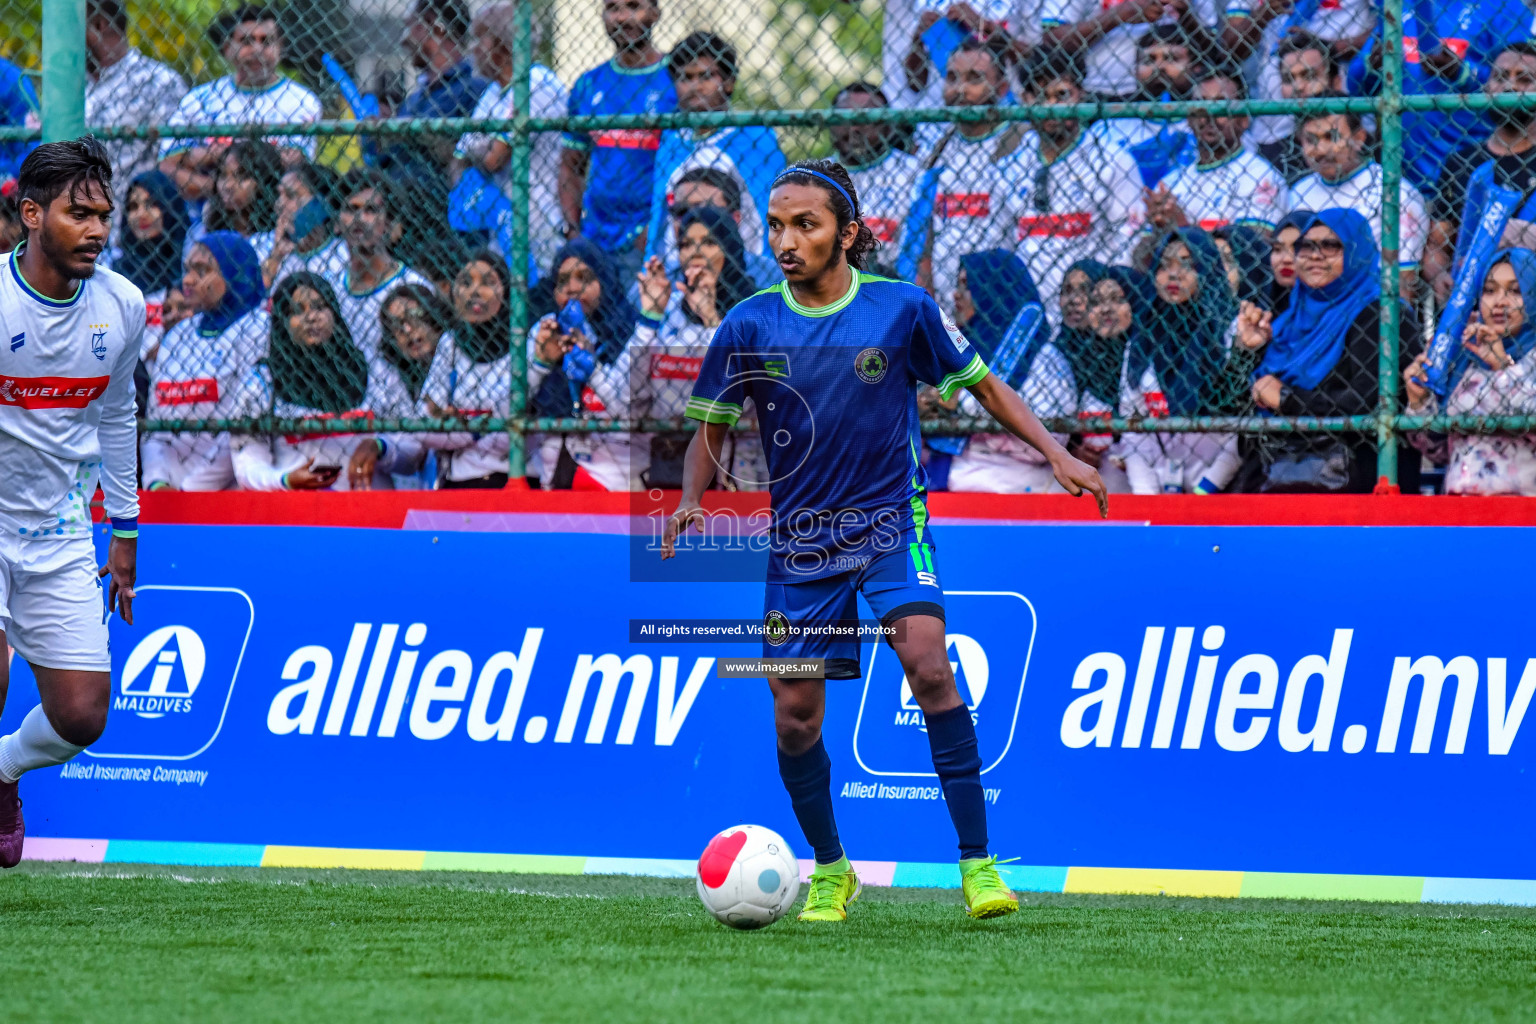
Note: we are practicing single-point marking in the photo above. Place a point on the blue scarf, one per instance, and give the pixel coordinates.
(1309, 336)
(1185, 342)
(1518, 347)
(243, 287)
(155, 264)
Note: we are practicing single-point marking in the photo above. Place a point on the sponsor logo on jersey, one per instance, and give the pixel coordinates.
(775, 627)
(99, 340)
(955, 337)
(963, 204)
(187, 392)
(665, 366)
(590, 402)
(154, 314)
(1055, 225)
(18, 341)
(871, 365)
(628, 138)
(51, 392)
(355, 414)
(1157, 403)
(1214, 223)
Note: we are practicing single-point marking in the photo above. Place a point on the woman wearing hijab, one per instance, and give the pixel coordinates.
(1494, 374)
(998, 308)
(154, 238)
(677, 322)
(1178, 366)
(312, 371)
(202, 363)
(1282, 257)
(414, 320)
(1119, 309)
(471, 376)
(1246, 256)
(1321, 357)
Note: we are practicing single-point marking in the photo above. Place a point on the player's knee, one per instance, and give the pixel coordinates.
(931, 680)
(80, 720)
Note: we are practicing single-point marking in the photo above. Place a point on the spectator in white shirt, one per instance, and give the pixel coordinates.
(312, 371)
(368, 223)
(123, 87)
(254, 94)
(963, 203)
(492, 34)
(1229, 185)
(304, 237)
(1335, 148)
(1075, 194)
(883, 174)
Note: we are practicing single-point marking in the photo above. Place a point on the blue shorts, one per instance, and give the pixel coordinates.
(895, 584)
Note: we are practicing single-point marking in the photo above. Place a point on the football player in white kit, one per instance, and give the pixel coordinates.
(69, 341)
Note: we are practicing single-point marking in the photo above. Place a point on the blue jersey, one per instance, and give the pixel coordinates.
(835, 395)
(618, 195)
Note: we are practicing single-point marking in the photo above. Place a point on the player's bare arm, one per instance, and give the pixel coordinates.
(699, 464)
(1014, 414)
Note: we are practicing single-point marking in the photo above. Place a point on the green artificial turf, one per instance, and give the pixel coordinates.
(145, 943)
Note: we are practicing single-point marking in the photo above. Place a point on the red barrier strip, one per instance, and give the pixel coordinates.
(387, 509)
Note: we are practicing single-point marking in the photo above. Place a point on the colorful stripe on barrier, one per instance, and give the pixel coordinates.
(1025, 878)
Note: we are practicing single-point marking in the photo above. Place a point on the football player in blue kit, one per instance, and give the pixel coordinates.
(831, 359)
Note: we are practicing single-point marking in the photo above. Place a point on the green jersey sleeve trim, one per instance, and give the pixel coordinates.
(974, 372)
(708, 410)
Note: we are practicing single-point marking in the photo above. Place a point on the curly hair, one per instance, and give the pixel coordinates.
(801, 173)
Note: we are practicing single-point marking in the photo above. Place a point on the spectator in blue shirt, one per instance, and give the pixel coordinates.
(446, 86)
(605, 177)
(703, 69)
(18, 107)
(1448, 48)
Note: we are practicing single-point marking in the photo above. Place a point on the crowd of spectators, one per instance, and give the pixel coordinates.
(1223, 265)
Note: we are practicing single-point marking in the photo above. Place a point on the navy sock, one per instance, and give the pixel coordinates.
(808, 778)
(952, 739)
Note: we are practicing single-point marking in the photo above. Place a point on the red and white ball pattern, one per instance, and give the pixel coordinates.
(748, 876)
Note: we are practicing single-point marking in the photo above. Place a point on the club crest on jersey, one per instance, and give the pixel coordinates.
(871, 365)
(99, 340)
(775, 627)
(955, 337)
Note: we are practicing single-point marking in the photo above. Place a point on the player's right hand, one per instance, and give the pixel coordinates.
(677, 524)
(1077, 477)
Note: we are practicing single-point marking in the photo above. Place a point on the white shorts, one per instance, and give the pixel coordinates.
(51, 605)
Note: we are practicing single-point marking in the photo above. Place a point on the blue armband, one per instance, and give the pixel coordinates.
(126, 528)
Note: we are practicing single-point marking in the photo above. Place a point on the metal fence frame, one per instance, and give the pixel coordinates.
(62, 94)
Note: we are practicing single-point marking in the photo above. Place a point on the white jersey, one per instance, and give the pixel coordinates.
(1171, 463)
(1244, 189)
(136, 90)
(473, 389)
(221, 102)
(885, 194)
(67, 403)
(970, 209)
(260, 462)
(1080, 206)
(548, 98)
(1361, 192)
(361, 309)
(197, 376)
(1111, 62)
(329, 259)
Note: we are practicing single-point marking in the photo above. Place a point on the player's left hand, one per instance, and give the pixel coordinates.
(678, 524)
(1078, 477)
(122, 565)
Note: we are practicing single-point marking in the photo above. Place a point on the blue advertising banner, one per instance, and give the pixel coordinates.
(1229, 699)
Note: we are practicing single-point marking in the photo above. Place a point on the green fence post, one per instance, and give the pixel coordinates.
(522, 144)
(1390, 117)
(63, 69)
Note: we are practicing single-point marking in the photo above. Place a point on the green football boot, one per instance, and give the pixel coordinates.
(986, 894)
(833, 887)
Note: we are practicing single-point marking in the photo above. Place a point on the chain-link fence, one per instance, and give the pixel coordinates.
(1276, 247)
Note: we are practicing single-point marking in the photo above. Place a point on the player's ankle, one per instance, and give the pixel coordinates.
(837, 867)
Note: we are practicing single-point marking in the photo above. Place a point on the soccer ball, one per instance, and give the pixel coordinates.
(748, 876)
